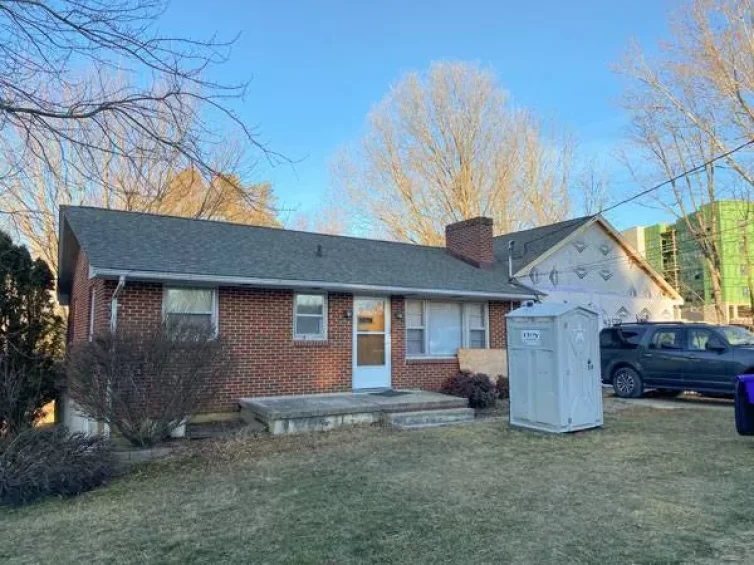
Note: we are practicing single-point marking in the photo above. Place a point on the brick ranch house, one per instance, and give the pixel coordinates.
(302, 312)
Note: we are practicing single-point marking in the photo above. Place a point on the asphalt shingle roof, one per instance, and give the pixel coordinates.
(530, 244)
(131, 241)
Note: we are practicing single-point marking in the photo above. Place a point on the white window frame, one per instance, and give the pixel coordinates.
(466, 316)
(465, 327)
(423, 328)
(215, 315)
(324, 316)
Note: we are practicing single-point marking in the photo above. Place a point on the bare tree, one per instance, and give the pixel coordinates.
(331, 218)
(695, 102)
(593, 184)
(145, 383)
(449, 145)
(223, 197)
(87, 82)
(34, 197)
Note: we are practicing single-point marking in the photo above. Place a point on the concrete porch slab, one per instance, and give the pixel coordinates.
(317, 412)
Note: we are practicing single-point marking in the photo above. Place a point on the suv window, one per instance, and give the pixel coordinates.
(667, 338)
(698, 338)
(621, 338)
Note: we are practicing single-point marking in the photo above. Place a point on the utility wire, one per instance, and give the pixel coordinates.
(680, 253)
(651, 189)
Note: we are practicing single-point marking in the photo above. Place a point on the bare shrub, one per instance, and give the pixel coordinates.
(145, 383)
(51, 462)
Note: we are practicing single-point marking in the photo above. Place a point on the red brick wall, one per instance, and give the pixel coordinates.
(82, 289)
(258, 326)
(471, 240)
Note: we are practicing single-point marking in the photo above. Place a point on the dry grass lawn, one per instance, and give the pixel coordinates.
(653, 486)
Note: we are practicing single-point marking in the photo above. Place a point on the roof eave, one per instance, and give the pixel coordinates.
(159, 276)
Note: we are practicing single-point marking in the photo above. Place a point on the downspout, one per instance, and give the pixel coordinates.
(113, 328)
(114, 304)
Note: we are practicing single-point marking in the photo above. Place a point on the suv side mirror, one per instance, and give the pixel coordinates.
(715, 344)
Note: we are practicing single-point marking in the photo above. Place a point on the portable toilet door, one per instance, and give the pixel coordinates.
(582, 385)
(553, 366)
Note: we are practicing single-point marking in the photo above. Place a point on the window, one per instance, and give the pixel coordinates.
(436, 328)
(310, 317)
(476, 324)
(621, 338)
(736, 335)
(445, 329)
(190, 308)
(414, 327)
(668, 338)
(698, 339)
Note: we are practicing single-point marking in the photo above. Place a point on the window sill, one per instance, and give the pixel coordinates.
(431, 359)
(310, 342)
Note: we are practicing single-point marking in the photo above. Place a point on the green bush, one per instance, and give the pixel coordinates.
(51, 462)
(478, 388)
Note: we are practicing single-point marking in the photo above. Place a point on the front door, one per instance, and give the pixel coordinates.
(371, 343)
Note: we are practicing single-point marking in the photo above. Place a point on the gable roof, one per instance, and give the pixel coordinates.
(152, 247)
(530, 244)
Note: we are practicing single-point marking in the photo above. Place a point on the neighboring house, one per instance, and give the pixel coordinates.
(673, 251)
(303, 312)
(586, 261)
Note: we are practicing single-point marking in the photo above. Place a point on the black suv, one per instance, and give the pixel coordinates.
(673, 357)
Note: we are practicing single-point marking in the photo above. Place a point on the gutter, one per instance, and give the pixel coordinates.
(160, 276)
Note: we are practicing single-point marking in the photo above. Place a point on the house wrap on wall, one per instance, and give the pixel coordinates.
(586, 261)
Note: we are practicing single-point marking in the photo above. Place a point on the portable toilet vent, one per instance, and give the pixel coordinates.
(554, 367)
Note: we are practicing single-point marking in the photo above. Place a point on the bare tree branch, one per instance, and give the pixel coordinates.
(447, 146)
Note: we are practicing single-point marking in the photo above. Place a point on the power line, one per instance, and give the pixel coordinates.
(681, 253)
(652, 189)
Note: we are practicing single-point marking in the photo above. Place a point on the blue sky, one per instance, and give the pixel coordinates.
(318, 67)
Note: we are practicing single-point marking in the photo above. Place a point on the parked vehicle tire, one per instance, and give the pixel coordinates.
(627, 383)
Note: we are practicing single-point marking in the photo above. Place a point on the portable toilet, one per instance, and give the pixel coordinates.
(554, 367)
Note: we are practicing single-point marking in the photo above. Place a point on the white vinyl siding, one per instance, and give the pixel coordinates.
(310, 317)
(440, 328)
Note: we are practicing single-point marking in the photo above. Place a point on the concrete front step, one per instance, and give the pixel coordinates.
(322, 412)
(427, 418)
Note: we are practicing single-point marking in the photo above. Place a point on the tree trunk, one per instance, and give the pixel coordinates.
(749, 271)
(717, 292)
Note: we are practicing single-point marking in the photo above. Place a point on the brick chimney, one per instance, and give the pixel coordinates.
(471, 241)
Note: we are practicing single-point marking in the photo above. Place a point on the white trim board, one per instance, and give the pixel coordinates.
(155, 276)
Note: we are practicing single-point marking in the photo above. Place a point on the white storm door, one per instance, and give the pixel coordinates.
(371, 343)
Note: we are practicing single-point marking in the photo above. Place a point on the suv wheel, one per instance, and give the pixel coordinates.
(627, 383)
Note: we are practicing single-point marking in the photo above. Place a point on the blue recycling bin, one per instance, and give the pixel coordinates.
(745, 405)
